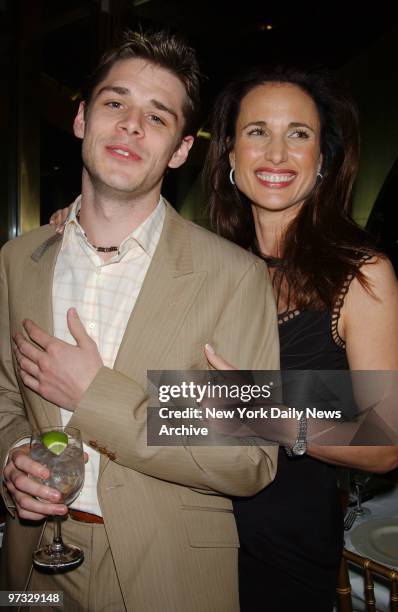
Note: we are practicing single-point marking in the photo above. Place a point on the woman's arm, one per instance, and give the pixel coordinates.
(369, 326)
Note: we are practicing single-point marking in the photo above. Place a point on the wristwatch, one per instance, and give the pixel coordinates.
(300, 445)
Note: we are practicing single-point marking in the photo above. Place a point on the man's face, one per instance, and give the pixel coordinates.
(132, 129)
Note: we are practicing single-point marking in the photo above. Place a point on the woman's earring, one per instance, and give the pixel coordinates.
(319, 175)
(231, 177)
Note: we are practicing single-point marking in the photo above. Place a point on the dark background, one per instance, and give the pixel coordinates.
(50, 46)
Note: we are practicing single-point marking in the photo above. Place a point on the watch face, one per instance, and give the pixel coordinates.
(299, 448)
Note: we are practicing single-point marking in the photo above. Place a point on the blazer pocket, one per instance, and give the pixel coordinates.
(209, 527)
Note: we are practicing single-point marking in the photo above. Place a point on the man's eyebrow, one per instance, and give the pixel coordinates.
(292, 124)
(121, 91)
(160, 106)
(124, 91)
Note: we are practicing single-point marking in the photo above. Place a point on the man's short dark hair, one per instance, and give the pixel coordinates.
(165, 50)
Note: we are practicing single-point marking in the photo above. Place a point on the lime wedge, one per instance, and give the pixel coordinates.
(55, 441)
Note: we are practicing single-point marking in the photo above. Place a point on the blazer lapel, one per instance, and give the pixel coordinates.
(39, 284)
(169, 289)
(166, 295)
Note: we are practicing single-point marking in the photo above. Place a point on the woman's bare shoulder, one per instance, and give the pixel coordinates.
(378, 283)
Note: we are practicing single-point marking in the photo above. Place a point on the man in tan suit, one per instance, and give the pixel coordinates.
(162, 535)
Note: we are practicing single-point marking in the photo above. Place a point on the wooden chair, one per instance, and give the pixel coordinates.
(370, 568)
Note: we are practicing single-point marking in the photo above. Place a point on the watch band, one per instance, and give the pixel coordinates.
(300, 445)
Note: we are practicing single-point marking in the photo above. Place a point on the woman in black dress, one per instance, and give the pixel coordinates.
(280, 170)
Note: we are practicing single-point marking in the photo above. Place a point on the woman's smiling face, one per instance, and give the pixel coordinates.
(277, 147)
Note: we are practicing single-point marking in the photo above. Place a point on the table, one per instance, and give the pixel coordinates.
(383, 505)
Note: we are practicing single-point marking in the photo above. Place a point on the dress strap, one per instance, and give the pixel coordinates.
(339, 304)
(287, 315)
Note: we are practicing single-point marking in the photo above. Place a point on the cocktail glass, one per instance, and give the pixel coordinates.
(60, 449)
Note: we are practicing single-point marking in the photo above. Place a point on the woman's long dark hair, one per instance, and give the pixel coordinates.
(322, 246)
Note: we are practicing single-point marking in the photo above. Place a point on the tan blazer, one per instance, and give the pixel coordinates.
(166, 509)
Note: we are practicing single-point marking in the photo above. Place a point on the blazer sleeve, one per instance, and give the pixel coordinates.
(14, 424)
(229, 470)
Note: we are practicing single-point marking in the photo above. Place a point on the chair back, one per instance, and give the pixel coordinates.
(370, 569)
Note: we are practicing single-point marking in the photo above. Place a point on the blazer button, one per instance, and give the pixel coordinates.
(93, 443)
(103, 450)
(112, 456)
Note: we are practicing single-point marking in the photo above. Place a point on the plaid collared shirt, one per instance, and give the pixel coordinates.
(104, 295)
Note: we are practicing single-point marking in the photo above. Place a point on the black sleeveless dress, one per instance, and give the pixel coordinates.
(291, 533)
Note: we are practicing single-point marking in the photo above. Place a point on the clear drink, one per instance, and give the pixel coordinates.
(60, 449)
(66, 470)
